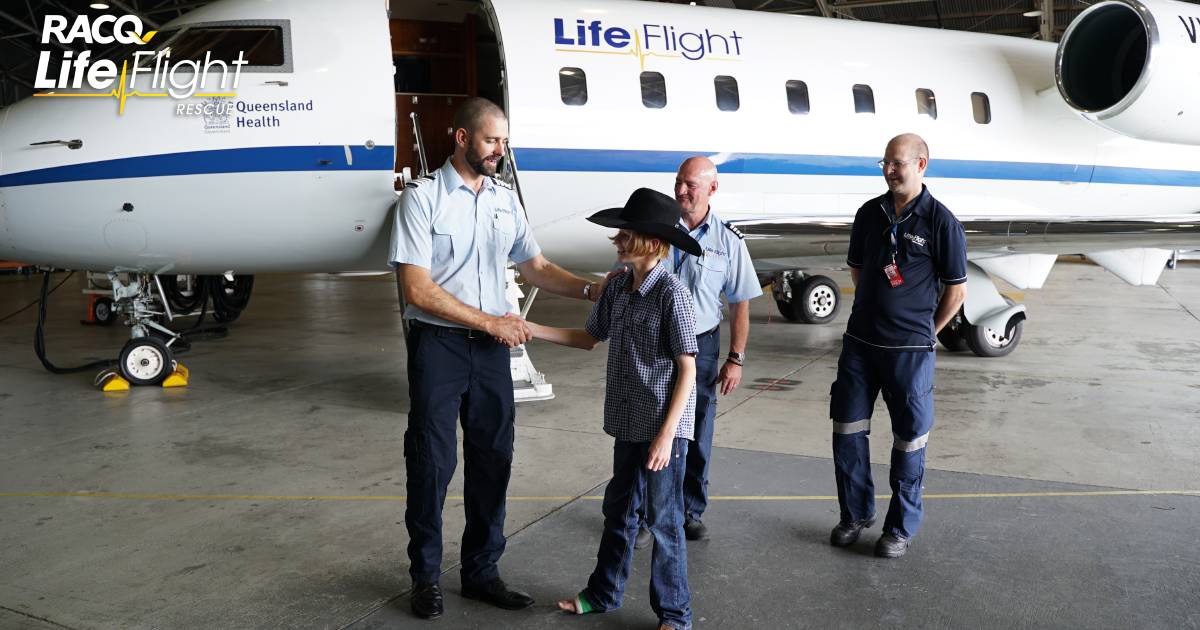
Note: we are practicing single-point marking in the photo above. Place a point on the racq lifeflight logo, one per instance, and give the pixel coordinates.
(179, 79)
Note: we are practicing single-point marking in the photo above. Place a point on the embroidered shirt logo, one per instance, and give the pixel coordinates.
(915, 239)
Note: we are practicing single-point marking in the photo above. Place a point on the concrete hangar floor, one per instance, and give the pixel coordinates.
(1063, 485)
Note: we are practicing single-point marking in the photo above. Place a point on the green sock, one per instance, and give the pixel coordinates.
(582, 605)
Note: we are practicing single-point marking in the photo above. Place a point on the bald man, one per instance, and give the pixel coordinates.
(908, 260)
(725, 270)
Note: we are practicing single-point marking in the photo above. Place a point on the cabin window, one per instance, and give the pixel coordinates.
(797, 97)
(864, 99)
(654, 90)
(926, 104)
(727, 93)
(572, 86)
(261, 46)
(982, 107)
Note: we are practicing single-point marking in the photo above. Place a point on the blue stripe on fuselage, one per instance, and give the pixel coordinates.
(309, 158)
(245, 160)
(618, 161)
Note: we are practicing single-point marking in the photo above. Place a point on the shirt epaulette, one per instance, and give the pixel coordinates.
(422, 179)
(501, 183)
(733, 228)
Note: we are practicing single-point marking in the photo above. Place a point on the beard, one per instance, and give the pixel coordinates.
(480, 163)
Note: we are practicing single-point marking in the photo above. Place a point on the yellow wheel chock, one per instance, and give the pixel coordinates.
(111, 381)
(178, 378)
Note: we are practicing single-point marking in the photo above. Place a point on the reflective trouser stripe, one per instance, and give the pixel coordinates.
(907, 446)
(849, 428)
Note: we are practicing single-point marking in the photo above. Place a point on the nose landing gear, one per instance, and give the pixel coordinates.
(147, 358)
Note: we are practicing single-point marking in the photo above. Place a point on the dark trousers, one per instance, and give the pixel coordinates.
(906, 380)
(452, 376)
(661, 494)
(695, 482)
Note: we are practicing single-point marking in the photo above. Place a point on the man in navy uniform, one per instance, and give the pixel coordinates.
(455, 231)
(908, 260)
(725, 269)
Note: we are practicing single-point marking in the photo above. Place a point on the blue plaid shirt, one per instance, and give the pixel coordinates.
(649, 327)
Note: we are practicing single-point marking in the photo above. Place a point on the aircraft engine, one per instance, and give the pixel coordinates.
(1133, 66)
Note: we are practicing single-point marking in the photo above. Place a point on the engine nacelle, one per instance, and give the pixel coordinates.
(1133, 66)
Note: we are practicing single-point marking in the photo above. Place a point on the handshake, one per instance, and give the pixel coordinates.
(510, 330)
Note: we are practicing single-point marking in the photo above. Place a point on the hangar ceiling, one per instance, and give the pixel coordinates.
(21, 21)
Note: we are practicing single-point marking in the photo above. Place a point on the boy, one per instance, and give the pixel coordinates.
(649, 405)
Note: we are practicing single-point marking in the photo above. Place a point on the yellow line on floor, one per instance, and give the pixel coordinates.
(140, 496)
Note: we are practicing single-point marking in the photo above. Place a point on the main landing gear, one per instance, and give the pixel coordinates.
(983, 341)
(804, 298)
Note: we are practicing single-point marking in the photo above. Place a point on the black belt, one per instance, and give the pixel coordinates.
(469, 333)
(710, 331)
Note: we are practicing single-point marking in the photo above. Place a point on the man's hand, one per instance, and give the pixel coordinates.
(660, 453)
(730, 377)
(509, 330)
(599, 288)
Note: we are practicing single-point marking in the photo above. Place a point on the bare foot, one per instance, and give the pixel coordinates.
(567, 605)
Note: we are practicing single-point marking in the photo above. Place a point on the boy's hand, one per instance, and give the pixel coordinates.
(660, 453)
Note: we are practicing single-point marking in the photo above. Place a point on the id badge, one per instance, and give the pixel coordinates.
(893, 275)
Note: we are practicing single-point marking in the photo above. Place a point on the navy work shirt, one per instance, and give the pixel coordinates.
(930, 249)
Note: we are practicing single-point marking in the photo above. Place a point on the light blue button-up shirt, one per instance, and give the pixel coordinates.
(464, 240)
(725, 268)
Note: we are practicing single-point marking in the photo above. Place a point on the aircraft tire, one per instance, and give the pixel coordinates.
(951, 337)
(785, 309)
(146, 361)
(988, 343)
(102, 312)
(816, 300)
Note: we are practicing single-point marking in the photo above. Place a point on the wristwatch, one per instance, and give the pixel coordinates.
(587, 290)
(737, 357)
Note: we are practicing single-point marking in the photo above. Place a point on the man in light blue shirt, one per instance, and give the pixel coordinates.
(455, 231)
(726, 270)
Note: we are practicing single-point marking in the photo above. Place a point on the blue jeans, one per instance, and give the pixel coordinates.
(906, 380)
(695, 483)
(453, 377)
(662, 493)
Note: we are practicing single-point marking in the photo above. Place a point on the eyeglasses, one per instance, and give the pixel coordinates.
(883, 164)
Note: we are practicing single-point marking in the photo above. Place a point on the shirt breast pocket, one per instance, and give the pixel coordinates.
(444, 237)
(713, 265)
(505, 227)
(647, 333)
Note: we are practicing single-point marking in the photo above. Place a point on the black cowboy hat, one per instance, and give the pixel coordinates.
(651, 213)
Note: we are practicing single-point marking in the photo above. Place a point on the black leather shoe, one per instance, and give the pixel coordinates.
(693, 529)
(497, 593)
(426, 601)
(644, 539)
(891, 545)
(846, 533)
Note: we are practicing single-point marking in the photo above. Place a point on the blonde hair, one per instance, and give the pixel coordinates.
(644, 245)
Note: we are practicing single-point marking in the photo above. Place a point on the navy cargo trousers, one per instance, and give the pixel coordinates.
(457, 374)
(906, 380)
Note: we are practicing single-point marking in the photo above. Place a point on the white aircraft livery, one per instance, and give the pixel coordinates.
(253, 136)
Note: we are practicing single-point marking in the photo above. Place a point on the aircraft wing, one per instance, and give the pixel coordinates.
(1020, 250)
